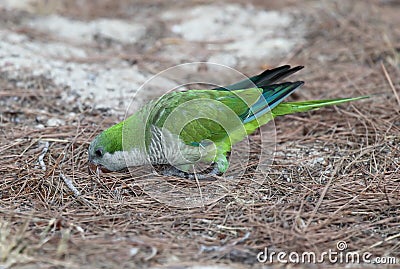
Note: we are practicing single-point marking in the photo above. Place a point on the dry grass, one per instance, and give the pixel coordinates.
(335, 176)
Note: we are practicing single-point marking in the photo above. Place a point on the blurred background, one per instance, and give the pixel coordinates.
(103, 51)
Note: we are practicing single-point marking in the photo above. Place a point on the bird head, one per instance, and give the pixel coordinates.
(97, 150)
(103, 151)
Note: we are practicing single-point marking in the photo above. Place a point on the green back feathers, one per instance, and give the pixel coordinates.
(238, 101)
(197, 115)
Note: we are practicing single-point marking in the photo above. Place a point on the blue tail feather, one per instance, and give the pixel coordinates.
(272, 94)
(271, 97)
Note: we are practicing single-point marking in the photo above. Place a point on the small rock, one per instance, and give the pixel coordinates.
(55, 122)
(133, 251)
(319, 160)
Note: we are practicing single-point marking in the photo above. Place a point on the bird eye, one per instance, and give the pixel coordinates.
(99, 152)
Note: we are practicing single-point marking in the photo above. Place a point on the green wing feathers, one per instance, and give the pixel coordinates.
(198, 115)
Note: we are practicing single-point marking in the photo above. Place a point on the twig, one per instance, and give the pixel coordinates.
(70, 185)
(385, 240)
(200, 191)
(152, 254)
(390, 83)
(41, 156)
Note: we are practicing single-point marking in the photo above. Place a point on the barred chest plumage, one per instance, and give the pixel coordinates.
(168, 148)
(164, 148)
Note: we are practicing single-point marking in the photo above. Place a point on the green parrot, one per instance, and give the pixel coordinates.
(185, 128)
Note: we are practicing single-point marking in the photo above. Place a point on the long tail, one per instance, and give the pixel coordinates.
(274, 94)
(303, 106)
(271, 100)
(293, 107)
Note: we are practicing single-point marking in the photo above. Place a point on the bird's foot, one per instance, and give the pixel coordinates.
(172, 171)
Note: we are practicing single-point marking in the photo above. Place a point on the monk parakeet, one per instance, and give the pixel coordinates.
(185, 128)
